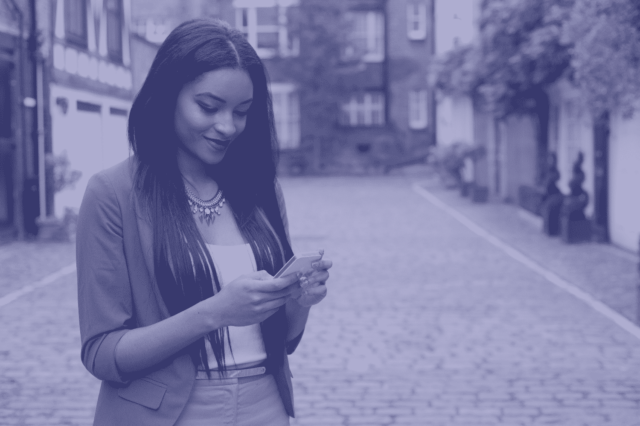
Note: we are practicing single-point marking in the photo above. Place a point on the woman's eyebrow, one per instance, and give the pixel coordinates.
(219, 99)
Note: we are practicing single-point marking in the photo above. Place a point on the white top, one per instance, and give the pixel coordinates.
(246, 342)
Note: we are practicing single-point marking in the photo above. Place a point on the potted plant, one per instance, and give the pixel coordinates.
(62, 177)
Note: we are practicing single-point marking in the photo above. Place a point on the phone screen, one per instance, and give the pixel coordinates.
(299, 263)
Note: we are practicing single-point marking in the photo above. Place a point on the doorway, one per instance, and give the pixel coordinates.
(6, 147)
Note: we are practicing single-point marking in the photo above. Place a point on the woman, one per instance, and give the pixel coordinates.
(179, 314)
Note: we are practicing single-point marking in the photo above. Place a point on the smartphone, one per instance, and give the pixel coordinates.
(299, 263)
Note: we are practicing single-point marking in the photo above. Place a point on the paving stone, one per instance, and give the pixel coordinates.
(425, 323)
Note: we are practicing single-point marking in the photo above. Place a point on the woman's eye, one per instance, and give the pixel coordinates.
(208, 108)
(242, 113)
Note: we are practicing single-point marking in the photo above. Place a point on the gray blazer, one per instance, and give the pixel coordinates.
(117, 292)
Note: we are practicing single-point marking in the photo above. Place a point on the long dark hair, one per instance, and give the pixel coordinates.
(184, 270)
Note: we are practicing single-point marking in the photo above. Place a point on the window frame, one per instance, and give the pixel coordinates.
(246, 20)
(362, 108)
(416, 14)
(74, 10)
(286, 114)
(114, 51)
(418, 109)
(374, 35)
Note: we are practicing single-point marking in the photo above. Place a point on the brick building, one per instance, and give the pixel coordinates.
(65, 92)
(387, 110)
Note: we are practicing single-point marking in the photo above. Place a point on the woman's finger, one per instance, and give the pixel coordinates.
(260, 275)
(274, 304)
(318, 276)
(322, 265)
(277, 284)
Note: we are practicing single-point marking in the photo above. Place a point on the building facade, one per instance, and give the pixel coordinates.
(18, 147)
(90, 89)
(65, 92)
(513, 146)
(386, 109)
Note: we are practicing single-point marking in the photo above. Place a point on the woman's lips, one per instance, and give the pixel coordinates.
(219, 144)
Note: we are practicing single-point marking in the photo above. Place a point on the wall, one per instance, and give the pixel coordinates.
(455, 120)
(624, 181)
(408, 62)
(143, 52)
(518, 155)
(93, 141)
(456, 23)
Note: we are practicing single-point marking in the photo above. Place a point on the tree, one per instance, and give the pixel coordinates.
(604, 36)
(323, 30)
(519, 54)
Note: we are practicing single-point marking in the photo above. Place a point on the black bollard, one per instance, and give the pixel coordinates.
(552, 198)
(575, 226)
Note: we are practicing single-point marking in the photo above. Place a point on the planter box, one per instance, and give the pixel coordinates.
(479, 194)
(575, 231)
(465, 188)
(550, 210)
(53, 229)
(530, 198)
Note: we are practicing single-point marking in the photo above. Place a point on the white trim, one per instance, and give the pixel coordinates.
(252, 29)
(416, 17)
(265, 3)
(126, 33)
(368, 35)
(102, 38)
(550, 276)
(59, 30)
(73, 61)
(286, 111)
(362, 107)
(91, 27)
(418, 118)
(4, 28)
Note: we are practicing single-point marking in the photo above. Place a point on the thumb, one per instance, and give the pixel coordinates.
(259, 275)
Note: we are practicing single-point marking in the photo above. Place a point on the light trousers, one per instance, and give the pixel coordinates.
(245, 401)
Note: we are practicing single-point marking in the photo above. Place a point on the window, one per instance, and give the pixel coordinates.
(418, 109)
(367, 39)
(88, 106)
(286, 112)
(417, 21)
(75, 20)
(114, 29)
(264, 23)
(364, 109)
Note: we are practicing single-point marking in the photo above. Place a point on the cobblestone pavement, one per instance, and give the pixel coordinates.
(428, 324)
(425, 324)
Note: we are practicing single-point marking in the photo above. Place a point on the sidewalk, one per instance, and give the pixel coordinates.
(608, 273)
(24, 263)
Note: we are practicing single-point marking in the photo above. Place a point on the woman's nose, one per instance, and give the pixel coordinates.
(224, 125)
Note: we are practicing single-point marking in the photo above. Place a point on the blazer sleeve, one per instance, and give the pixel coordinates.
(283, 209)
(104, 295)
(291, 344)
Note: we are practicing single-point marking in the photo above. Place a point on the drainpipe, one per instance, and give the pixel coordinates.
(22, 140)
(39, 83)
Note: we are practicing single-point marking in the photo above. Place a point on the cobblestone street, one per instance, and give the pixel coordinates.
(426, 323)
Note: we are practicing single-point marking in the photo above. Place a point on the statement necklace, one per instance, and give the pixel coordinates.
(205, 208)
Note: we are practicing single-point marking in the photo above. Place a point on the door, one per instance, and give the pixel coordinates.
(6, 147)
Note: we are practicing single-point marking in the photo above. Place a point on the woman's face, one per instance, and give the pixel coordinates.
(211, 112)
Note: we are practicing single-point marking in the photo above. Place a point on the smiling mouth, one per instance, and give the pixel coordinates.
(219, 143)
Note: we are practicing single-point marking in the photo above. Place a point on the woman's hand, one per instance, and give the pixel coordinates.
(251, 298)
(312, 286)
